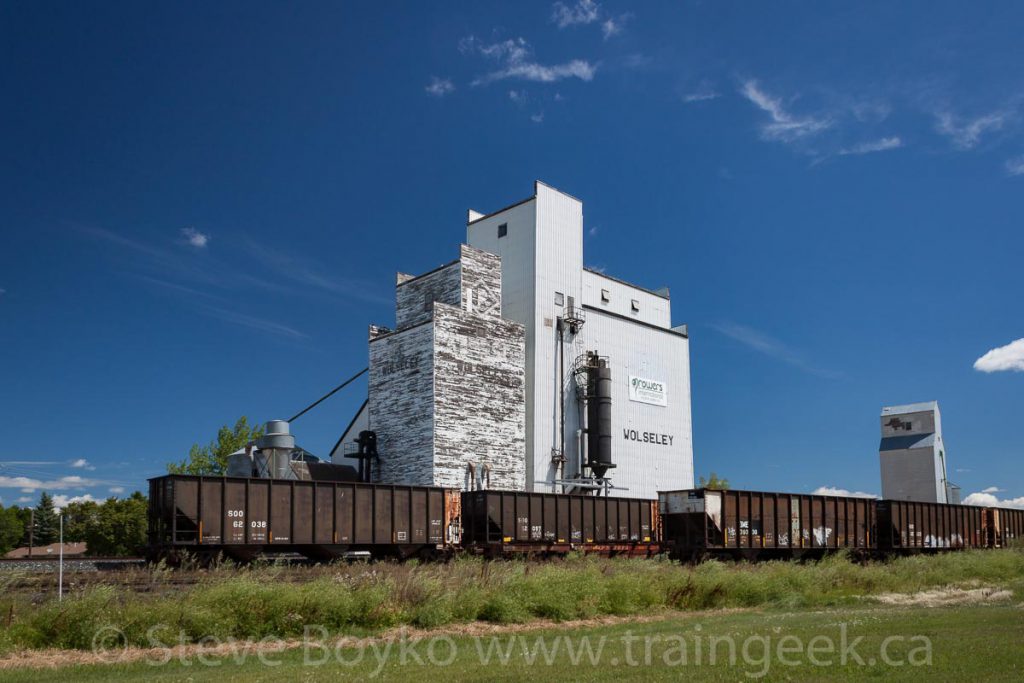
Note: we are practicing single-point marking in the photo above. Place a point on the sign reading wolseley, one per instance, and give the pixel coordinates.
(647, 391)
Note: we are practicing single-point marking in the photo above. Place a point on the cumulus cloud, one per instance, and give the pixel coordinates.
(992, 489)
(581, 12)
(25, 499)
(834, 491)
(966, 134)
(1009, 357)
(195, 238)
(515, 58)
(61, 501)
(783, 126)
(1013, 167)
(880, 145)
(984, 499)
(82, 464)
(439, 87)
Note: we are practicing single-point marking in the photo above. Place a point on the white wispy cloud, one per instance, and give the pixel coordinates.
(702, 95)
(2, 291)
(32, 484)
(195, 238)
(517, 96)
(613, 26)
(992, 489)
(303, 271)
(574, 14)
(834, 491)
(26, 499)
(199, 267)
(984, 499)
(783, 126)
(610, 27)
(82, 464)
(516, 62)
(61, 501)
(1002, 358)
(769, 346)
(116, 489)
(538, 117)
(439, 87)
(966, 134)
(251, 321)
(880, 145)
(1014, 166)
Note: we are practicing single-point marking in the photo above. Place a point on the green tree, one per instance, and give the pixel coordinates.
(12, 529)
(78, 517)
(714, 482)
(213, 459)
(118, 528)
(46, 523)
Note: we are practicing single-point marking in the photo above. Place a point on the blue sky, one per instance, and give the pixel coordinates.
(203, 206)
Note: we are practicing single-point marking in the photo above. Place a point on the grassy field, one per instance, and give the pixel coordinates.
(467, 597)
(943, 644)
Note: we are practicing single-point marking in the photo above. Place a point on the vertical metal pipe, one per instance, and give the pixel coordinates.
(60, 575)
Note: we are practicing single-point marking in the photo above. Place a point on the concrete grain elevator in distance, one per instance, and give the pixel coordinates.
(913, 455)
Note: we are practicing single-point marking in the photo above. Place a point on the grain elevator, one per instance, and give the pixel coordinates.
(517, 367)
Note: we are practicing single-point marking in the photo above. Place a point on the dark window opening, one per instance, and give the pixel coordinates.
(502, 230)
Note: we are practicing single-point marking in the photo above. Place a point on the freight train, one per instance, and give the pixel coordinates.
(245, 518)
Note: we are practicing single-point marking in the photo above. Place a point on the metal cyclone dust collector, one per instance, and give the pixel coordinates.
(276, 446)
(599, 417)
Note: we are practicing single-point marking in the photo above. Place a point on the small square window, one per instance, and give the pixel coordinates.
(559, 299)
(606, 295)
(502, 230)
(635, 304)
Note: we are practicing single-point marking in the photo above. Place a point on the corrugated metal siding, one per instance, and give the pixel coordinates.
(645, 468)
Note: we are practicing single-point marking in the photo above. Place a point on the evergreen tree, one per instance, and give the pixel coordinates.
(46, 523)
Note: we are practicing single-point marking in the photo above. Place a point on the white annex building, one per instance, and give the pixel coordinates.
(913, 456)
(584, 340)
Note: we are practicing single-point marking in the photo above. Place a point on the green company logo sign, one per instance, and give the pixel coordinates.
(644, 390)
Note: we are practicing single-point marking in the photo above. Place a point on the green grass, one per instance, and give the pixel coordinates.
(963, 643)
(359, 599)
